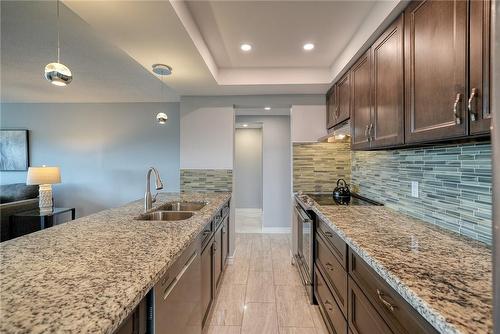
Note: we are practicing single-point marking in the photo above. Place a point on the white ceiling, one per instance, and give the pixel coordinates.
(110, 46)
(101, 71)
(277, 30)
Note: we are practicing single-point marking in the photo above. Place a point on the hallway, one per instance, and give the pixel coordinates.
(262, 293)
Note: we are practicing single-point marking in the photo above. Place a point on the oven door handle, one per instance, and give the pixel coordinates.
(303, 216)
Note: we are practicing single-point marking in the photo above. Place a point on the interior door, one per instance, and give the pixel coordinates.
(436, 70)
(478, 103)
(361, 102)
(388, 87)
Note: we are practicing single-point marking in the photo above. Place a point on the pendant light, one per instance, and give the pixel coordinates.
(56, 73)
(162, 70)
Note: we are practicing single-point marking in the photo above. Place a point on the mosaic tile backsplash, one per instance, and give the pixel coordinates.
(206, 180)
(455, 184)
(317, 166)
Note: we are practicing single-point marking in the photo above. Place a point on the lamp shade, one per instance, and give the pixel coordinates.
(43, 175)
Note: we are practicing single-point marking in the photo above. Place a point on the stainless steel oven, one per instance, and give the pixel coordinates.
(304, 224)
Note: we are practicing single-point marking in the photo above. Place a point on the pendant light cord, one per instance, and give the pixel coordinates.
(58, 43)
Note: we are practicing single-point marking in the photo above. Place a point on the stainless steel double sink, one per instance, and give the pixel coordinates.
(173, 211)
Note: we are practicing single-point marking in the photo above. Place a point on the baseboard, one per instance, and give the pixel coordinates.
(276, 230)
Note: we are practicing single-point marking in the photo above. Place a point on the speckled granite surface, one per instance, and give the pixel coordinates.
(446, 277)
(87, 275)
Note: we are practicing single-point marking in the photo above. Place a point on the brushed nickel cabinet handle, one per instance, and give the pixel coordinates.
(455, 109)
(328, 303)
(329, 266)
(328, 234)
(471, 105)
(388, 305)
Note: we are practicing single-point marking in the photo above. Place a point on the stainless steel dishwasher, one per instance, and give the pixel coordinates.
(177, 297)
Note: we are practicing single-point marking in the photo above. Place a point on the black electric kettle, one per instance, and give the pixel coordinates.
(342, 190)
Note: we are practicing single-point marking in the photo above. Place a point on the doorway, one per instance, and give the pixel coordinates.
(248, 190)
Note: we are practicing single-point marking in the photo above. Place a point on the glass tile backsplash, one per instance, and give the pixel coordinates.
(454, 184)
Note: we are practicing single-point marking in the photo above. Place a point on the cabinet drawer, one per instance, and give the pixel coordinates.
(335, 274)
(330, 309)
(336, 244)
(363, 318)
(398, 314)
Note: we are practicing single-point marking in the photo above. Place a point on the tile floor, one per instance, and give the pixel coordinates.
(248, 220)
(262, 293)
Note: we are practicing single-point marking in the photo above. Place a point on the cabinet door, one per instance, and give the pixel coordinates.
(217, 257)
(361, 103)
(478, 103)
(436, 70)
(225, 241)
(343, 91)
(207, 293)
(363, 318)
(388, 87)
(331, 107)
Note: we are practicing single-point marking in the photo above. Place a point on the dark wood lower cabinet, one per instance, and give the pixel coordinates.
(357, 293)
(218, 257)
(207, 290)
(363, 318)
(331, 312)
(136, 323)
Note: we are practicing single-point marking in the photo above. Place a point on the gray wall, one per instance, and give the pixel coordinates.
(277, 185)
(103, 150)
(248, 168)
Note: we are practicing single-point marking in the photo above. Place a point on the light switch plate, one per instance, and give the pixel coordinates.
(414, 189)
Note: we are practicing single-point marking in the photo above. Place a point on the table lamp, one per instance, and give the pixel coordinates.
(44, 177)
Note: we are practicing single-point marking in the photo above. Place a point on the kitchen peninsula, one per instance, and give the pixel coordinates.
(88, 275)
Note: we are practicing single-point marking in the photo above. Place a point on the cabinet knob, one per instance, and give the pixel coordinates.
(456, 111)
(471, 105)
(329, 266)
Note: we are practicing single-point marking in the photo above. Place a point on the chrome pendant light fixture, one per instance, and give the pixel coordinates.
(162, 70)
(56, 73)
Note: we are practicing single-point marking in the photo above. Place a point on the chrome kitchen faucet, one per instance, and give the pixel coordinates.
(148, 200)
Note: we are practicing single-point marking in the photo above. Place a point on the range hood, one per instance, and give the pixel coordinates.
(338, 132)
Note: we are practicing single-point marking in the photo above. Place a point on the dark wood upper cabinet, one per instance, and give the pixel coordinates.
(343, 95)
(361, 102)
(331, 107)
(436, 70)
(478, 103)
(388, 88)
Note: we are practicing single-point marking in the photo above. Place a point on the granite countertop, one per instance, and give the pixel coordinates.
(445, 277)
(87, 275)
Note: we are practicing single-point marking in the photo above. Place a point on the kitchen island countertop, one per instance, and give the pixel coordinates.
(447, 278)
(87, 275)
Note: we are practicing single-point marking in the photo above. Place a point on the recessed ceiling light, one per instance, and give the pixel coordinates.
(245, 125)
(267, 108)
(245, 47)
(308, 46)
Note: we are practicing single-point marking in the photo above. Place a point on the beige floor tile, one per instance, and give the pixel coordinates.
(319, 324)
(224, 330)
(237, 273)
(292, 307)
(263, 263)
(297, 330)
(260, 287)
(260, 318)
(229, 307)
(285, 274)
